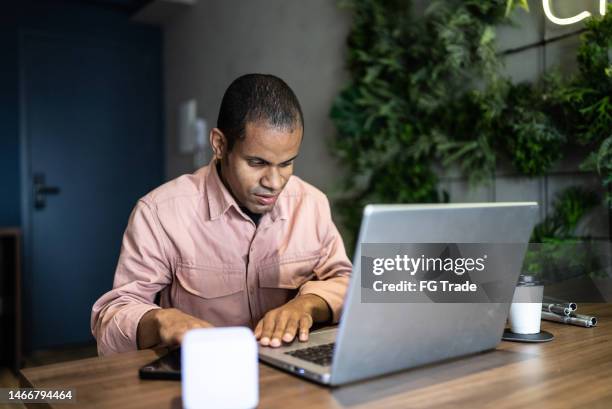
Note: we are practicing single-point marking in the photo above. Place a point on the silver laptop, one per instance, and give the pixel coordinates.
(376, 338)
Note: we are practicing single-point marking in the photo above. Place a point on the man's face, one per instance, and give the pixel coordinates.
(259, 166)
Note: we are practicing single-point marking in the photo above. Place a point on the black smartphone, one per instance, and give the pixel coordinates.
(167, 367)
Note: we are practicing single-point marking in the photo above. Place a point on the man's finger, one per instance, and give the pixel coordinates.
(180, 334)
(258, 329)
(178, 337)
(269, 321)
(279, 329)
(305, 324)
(290, 330)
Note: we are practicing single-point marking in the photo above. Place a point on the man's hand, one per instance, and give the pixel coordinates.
(166, 327)
(284, 322)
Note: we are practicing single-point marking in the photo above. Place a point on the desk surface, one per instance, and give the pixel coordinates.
(574, 370)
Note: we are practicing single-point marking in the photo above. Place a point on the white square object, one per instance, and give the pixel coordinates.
(219, 368)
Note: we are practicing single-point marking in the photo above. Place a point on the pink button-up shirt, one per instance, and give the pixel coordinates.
(189, 241)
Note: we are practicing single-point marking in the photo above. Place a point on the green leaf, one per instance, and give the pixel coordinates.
(512, 4)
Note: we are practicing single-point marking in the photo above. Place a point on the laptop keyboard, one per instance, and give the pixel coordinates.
(320, 355)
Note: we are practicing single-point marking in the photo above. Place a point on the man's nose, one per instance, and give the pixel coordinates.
(272, 180)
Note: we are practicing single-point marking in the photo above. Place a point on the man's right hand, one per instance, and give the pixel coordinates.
(166, 327)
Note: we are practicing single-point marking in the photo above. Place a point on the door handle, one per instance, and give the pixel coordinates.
(41, 190)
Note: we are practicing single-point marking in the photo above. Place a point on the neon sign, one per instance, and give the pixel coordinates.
(574, 19)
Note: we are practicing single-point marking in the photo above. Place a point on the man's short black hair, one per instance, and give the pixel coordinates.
(258, 98)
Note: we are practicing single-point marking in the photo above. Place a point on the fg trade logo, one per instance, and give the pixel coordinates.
(571, 20)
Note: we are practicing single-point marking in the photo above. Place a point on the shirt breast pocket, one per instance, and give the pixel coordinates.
(209, 282)
(289, 271)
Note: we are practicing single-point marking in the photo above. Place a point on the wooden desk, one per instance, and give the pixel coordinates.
(574, 370)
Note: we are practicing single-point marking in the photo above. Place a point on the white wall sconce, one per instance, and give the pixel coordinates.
(571, 20)
(193, 134)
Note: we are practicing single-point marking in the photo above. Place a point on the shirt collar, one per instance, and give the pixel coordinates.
(220, 199)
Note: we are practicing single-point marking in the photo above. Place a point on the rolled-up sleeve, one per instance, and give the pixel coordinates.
(333, 270)
(143, 270)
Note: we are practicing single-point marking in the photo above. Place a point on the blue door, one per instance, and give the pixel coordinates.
(92, 140)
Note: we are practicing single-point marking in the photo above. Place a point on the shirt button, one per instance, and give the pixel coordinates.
(252, 249)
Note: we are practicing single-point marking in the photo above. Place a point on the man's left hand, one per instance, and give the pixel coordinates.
(284, 322)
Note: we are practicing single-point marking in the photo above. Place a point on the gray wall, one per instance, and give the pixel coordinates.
(303, 42)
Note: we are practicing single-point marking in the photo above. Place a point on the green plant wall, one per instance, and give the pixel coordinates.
(427, 92)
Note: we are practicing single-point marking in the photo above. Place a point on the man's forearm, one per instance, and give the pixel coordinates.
(148, 330)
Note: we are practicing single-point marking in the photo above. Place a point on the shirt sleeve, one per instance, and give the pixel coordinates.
(333, 270)
(142, 271)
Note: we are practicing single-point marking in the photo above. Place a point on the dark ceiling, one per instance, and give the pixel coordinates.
(129, 6)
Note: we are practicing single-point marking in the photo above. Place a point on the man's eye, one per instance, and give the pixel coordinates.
(255, 163)
(286, 164)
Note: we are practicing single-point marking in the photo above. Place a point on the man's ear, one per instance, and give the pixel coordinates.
(218, 143)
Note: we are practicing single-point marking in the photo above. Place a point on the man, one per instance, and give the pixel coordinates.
(239, 242)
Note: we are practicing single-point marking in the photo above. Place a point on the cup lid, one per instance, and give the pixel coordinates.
(528, 280)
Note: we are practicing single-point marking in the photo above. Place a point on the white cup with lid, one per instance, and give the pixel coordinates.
(526, 309)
